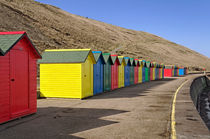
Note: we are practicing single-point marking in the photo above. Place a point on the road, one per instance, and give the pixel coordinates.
(138, 111)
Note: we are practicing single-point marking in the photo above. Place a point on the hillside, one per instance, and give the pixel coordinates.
(51, 27)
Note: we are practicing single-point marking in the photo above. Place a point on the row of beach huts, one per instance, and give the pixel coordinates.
(80, 73)
(65, 73)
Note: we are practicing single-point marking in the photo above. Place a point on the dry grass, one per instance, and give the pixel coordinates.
(51, 27)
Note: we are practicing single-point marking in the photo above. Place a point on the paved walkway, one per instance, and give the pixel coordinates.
(138, 111)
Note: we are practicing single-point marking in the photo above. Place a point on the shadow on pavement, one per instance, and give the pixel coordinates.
(133, 90)
(55, 122)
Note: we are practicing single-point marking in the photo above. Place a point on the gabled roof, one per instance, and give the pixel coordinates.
(140, 63)
(154, 64)
(121, 59)
(136, 62)
(97, 55)
(148, 64)
(127, 60)
(132, 62)
(66, 56)
(144, 63)
(151, 64)
(107, 57)
(168, 66)
(114, 58)
(9, 39)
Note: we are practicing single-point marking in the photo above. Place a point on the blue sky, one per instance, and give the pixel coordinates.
(186, 22)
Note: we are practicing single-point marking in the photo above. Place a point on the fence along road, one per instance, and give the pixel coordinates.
(138, 111)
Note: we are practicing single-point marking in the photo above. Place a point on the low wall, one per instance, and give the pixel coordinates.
(197, 87)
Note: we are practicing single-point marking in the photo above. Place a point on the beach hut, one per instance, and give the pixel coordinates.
(161, 67)
(127, 71)
(121, 71)
(136, 71)
(18, 72)
(174, 70)
(158, 71)
(181, 71)
(140, 80)
(185, 70)
(154, 70)
(67, 73)
(177, 71)
(147, 71)
(132, 71)
(151, 71)
(107, 71)
(144, 71)
(98, 73)
(114, 72)
(168, 71)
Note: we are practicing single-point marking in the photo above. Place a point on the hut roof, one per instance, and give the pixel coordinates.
(66, 56)
(107, 57)
(9, 39)
(97, 55)
(127, 60)
(121, 59)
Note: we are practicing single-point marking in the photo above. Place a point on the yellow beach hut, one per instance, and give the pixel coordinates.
(67, 73)
(121, 71)
(140, 71)
(154, 70)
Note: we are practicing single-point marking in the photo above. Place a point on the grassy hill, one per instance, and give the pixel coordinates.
(50, 27)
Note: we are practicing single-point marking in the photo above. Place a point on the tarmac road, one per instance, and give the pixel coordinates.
(138, 111)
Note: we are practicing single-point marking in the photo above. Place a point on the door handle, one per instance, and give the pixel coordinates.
(12, 80)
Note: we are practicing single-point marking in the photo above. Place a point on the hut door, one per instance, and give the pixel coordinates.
(87, 77)
(19, 82)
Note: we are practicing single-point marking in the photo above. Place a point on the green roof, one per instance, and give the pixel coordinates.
(132, 61)
(8, 41)
(97, 55)
(136, 61)
(127, 60)
(113, 58)
(168, 67)
(66, 56)
(106, 57)
(144, 63)
(140, 62)
(120, 59)
(148, 64)
(154, 64)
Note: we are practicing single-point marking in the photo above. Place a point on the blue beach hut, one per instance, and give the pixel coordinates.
(127, 71)
(181, 71)
(143, 70)
(98, 71)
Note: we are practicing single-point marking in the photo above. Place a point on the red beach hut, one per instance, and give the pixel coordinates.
(114, 72)
(151, 71)
(18, 72)
(168, 71)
